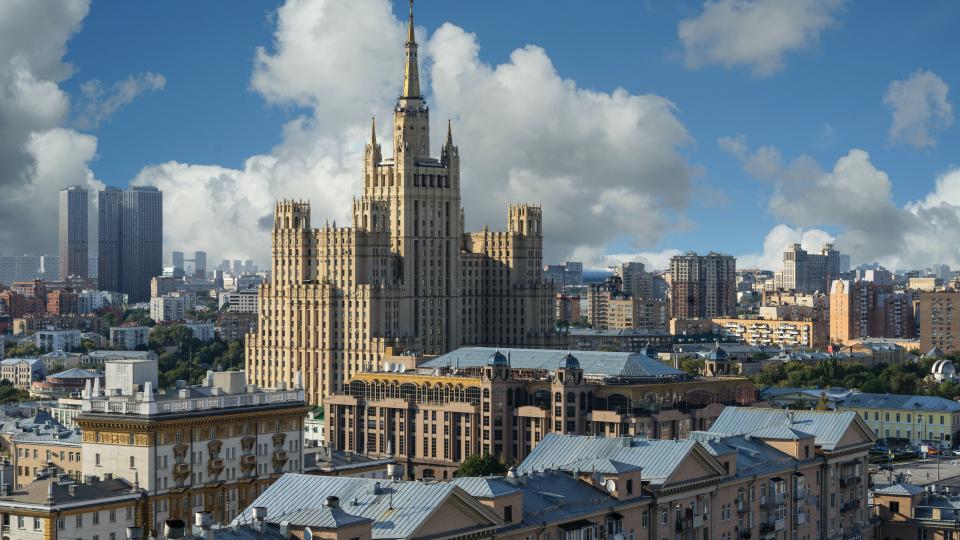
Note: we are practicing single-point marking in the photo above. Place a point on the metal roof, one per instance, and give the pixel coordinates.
(901, 402)
(656, 458)
(900, 489)
(486, 487)
(827, 427)
(610, 364)
(323, 518)
(397, 511)
(75, 373)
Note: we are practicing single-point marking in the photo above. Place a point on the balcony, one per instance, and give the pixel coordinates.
(801, 518)
(684, 525)
(741, 506)
(850, 505)
(745, 534)
(772, 499)
(849, 480)
(801, 492)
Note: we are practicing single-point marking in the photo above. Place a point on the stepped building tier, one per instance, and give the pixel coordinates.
(405, 276)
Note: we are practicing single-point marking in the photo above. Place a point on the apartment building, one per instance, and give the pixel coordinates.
(207, 448)
(862, 309)
(50, 448)
(771, 332)
(809, 272)
(504, 402)
(130, 337)
(938, 328)
(703, 286)
(62, 508)
(757, 473)
(636, 312)
(57, 340)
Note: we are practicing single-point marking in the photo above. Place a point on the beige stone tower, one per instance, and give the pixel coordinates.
(405, 277)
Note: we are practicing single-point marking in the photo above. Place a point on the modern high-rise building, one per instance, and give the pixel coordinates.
(703, 286)
(810, 272)
(177, 260)
(130, 240)
(74, 211)
(405, 277)
(636, 280)
(200, 264)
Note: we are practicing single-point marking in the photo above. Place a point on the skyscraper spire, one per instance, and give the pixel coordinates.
(411, 77)
(373, 131)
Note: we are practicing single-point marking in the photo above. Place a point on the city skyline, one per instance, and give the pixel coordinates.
(890, 146)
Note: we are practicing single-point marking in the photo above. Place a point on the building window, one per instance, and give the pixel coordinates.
(97, 459)
(894, 506)
(508, 514)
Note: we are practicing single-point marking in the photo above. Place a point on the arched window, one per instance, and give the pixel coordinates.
(571, 398)
(486, 393)
(558, 397)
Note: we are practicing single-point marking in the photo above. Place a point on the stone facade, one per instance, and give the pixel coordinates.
(405, 276)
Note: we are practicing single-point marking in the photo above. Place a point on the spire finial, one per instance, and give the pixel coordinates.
(411, 78)
(449, 133)
(410, 36)
(373, 131)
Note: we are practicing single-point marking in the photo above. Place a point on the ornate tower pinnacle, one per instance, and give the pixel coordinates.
(411, 77)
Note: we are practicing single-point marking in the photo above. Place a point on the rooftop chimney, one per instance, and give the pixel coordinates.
(333, 502)
(174, 528)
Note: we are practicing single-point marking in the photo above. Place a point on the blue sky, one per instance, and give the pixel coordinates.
(825, 99)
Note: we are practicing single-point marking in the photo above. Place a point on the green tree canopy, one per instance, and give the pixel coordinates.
(481, 465)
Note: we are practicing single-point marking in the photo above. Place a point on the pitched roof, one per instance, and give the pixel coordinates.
(658, 459)
(397, 511)
(608, 364)
(827, 427)
(898, 401)
(485, 487)
(39, 491)
(322, 518)
(75, 373)
(900, 489)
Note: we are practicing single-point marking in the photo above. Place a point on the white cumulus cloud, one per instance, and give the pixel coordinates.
(920, 108)
(755, 33)
(602, 164)
(37, 156)
(855, 198)
(777, 240)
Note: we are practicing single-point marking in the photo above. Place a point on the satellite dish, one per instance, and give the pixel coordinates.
(611, 486)
(394, 367)
(403, 368)
(386, 366)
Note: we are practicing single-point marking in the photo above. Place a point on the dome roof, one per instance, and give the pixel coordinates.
(934, 353)
(498, 359)
(570, 362)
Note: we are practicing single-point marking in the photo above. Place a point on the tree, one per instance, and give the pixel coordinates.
(481, 465)
(693, 366)
(11, 394)
(26, 348)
